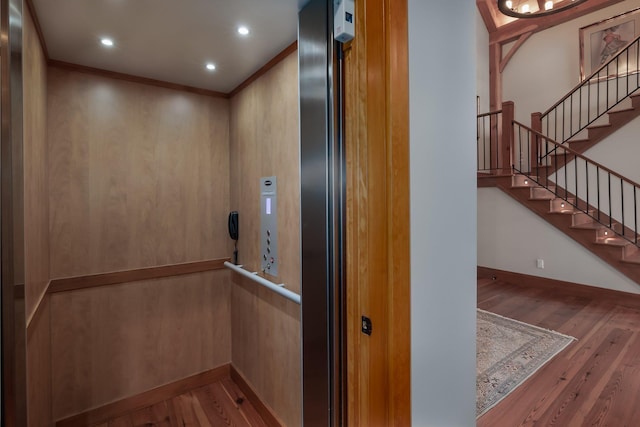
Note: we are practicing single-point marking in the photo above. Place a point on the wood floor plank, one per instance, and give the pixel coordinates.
(561, 311)
(214, 409)
(157, 415)
(218, 404)
(576, 399)
(611, 407)
(249, 412)
(588, 319)
(189, 412)
(216, 395)
(596, 380)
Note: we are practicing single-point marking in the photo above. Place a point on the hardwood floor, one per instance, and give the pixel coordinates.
(214, 405)
(593, 382)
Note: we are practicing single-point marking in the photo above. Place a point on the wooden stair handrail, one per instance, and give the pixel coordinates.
(490, 113)
(575, 153)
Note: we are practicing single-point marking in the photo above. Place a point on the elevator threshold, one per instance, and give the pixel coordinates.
(215, 398)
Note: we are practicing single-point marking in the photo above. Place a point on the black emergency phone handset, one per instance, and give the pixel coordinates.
(233, 233)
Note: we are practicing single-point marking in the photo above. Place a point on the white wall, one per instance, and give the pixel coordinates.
(442, 83)
(511, 237)
(620, 151)
(547, 66)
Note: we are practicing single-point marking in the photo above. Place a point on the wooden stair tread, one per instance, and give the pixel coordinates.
(603, 126)
(634, 259)
(612, 241)
(542, 198)
(588, 226)
(539, 192)
(622, 111)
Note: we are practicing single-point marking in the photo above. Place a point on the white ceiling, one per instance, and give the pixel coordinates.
(170, 40)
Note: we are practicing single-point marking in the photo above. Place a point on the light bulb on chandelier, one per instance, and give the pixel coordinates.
(535, 8)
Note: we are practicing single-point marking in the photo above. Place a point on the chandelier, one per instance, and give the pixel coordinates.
(535, 8)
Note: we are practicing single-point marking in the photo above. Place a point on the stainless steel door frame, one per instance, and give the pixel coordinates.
(322, 204)
(14, 394)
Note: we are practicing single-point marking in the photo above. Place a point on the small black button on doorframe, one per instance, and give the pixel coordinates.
(366, 325)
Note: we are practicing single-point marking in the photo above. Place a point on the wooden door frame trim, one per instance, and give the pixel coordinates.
(378, 250)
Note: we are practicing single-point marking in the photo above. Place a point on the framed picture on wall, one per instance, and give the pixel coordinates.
(601, 41)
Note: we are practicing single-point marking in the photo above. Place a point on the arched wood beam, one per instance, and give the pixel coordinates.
(523, 38)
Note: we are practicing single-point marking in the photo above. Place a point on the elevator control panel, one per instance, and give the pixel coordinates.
(269, 225)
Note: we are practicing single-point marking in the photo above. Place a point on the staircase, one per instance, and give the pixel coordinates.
(598, 238)
(543, 166)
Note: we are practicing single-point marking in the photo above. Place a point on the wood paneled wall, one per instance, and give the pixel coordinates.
(39, 398)
(36, 196)
(138, 175)
(36, 226)
(265, 328)
(117, 341)
(266, 347)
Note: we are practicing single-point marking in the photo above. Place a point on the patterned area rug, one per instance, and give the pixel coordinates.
(509, 352)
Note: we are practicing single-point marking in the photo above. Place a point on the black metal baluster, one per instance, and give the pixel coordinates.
(538, 150)
(586, 170)
(555, 124)
(487, 146)
(610, 216)
(588, 104)
(520, 146)
(570, 118)
(635, 214)
(555, 171)
(575, 167)
(532, 145)
(497, 132)
(484, 143)
(598, 189)
(580, 109)
(546, 118)
(566, 177)
(597, 88)
(490, 147)
(564, 114)
(617, 77)
(622, 203)
(626, 80)
(478, 141)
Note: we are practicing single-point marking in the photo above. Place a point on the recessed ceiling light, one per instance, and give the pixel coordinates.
(243, 31)
(210, 66)
(107, 42)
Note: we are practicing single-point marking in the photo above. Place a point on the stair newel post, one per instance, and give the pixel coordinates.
(536, 124)
(506, 141)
